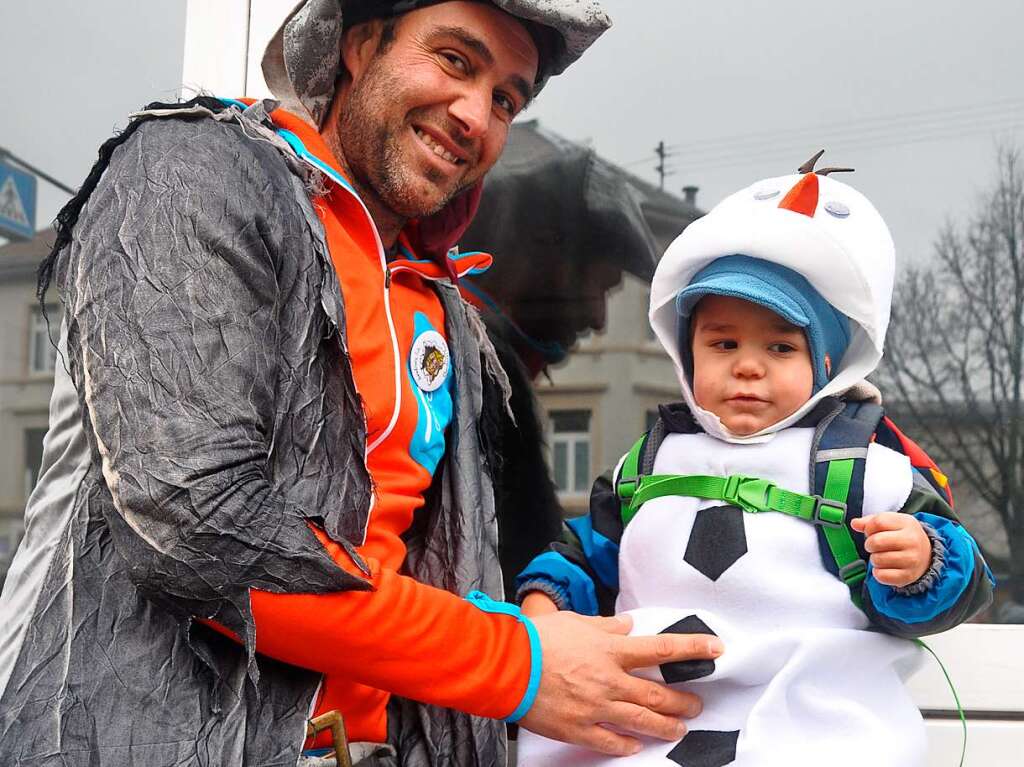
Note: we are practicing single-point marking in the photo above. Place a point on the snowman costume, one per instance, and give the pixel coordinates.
(808, 677)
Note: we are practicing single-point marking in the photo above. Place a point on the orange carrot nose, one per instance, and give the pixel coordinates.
(803, 197)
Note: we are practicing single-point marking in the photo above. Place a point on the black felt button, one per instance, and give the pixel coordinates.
(717, 540)
(685, 670)
(705, 748)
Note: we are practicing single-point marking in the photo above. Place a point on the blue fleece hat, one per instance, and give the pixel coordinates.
(774, 287)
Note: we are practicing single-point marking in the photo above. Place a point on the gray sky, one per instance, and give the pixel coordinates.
(915, 95)
(73, 70)
(691, 73)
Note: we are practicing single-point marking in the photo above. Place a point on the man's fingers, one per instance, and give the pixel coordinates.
(660, 698)
(642, 721)
(601, 739)
(639, 652)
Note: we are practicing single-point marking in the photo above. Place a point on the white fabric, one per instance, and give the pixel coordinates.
(65, 453)
(850, 261)
(802, 678)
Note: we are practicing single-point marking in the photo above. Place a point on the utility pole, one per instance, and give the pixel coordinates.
(660, 168)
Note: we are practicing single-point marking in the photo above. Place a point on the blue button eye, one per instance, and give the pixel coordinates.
(837, 209)
(766, 194)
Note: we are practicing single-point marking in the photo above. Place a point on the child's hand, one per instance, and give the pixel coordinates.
(538, 603)
(899, 547)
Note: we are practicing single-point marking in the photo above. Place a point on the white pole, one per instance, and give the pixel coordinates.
(216, 47)
(265, 16)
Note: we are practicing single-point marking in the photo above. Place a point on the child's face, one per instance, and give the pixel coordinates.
(751, 368)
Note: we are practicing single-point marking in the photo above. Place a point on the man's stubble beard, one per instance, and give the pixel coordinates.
(374, 151)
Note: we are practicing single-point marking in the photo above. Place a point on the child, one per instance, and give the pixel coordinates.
(773, 308)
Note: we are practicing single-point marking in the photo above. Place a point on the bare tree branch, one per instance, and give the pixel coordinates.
(955, 356)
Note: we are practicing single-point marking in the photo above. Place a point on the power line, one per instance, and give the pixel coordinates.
(642, 160)
(805, 141)
(937, 134)
(887, 122)
(6, 154)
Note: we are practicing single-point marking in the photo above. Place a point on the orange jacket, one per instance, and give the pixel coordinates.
(402, 637)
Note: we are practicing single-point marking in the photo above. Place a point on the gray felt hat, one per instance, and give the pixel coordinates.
(300, 64)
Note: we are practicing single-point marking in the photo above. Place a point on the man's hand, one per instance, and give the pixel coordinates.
(584, 683)
(899, 547)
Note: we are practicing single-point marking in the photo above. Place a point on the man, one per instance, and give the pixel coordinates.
(265, 494)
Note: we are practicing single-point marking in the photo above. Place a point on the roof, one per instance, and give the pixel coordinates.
(20, 260)
(549, 193)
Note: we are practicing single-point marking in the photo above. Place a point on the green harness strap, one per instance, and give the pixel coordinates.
(755, 495)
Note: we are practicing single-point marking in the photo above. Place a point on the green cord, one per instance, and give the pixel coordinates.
(959, 708)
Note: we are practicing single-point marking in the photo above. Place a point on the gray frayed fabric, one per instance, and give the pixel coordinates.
(207, 416)
(301, 62)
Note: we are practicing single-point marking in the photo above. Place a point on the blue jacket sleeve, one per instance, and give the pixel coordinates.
(957, 585)
(581, 571)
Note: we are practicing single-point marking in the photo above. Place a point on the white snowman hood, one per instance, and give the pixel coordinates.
(819, 227)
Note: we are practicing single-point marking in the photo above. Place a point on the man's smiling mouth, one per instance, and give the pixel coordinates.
(437, 149)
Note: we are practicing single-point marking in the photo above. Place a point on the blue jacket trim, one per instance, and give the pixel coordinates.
(317, 752)
(953, 579)
(569, 579)
(434, 409)
(483, 602)
(300, 149)
(476, 270)
(601, 553)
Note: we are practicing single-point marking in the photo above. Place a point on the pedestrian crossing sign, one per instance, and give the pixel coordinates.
(17, 203)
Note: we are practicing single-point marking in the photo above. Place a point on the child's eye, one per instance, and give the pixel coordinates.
(782, 348)
(724, 345)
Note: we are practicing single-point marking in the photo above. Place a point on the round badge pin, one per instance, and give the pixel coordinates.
(430, 360)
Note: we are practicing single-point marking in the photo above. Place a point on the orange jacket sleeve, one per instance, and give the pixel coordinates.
(407, 638)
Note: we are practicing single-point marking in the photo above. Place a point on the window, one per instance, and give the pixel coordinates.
(42, 353)
(570, 450)
(10, 535)
(33, 457)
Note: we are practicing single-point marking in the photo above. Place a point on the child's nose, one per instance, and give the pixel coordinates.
(748, 366)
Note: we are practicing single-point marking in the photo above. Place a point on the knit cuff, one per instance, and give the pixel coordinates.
(934, 572)
(553, 592)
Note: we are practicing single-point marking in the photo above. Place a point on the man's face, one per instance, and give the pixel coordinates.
(429, 113)
(751, 368)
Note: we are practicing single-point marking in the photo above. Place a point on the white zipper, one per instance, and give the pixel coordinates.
(324, 168)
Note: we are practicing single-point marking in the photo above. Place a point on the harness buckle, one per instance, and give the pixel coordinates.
(829, 513)
(625, 488)
(749, 493)
(853, 572)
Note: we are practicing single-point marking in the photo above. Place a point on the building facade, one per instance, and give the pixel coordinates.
(606, 394)
(27, 360)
